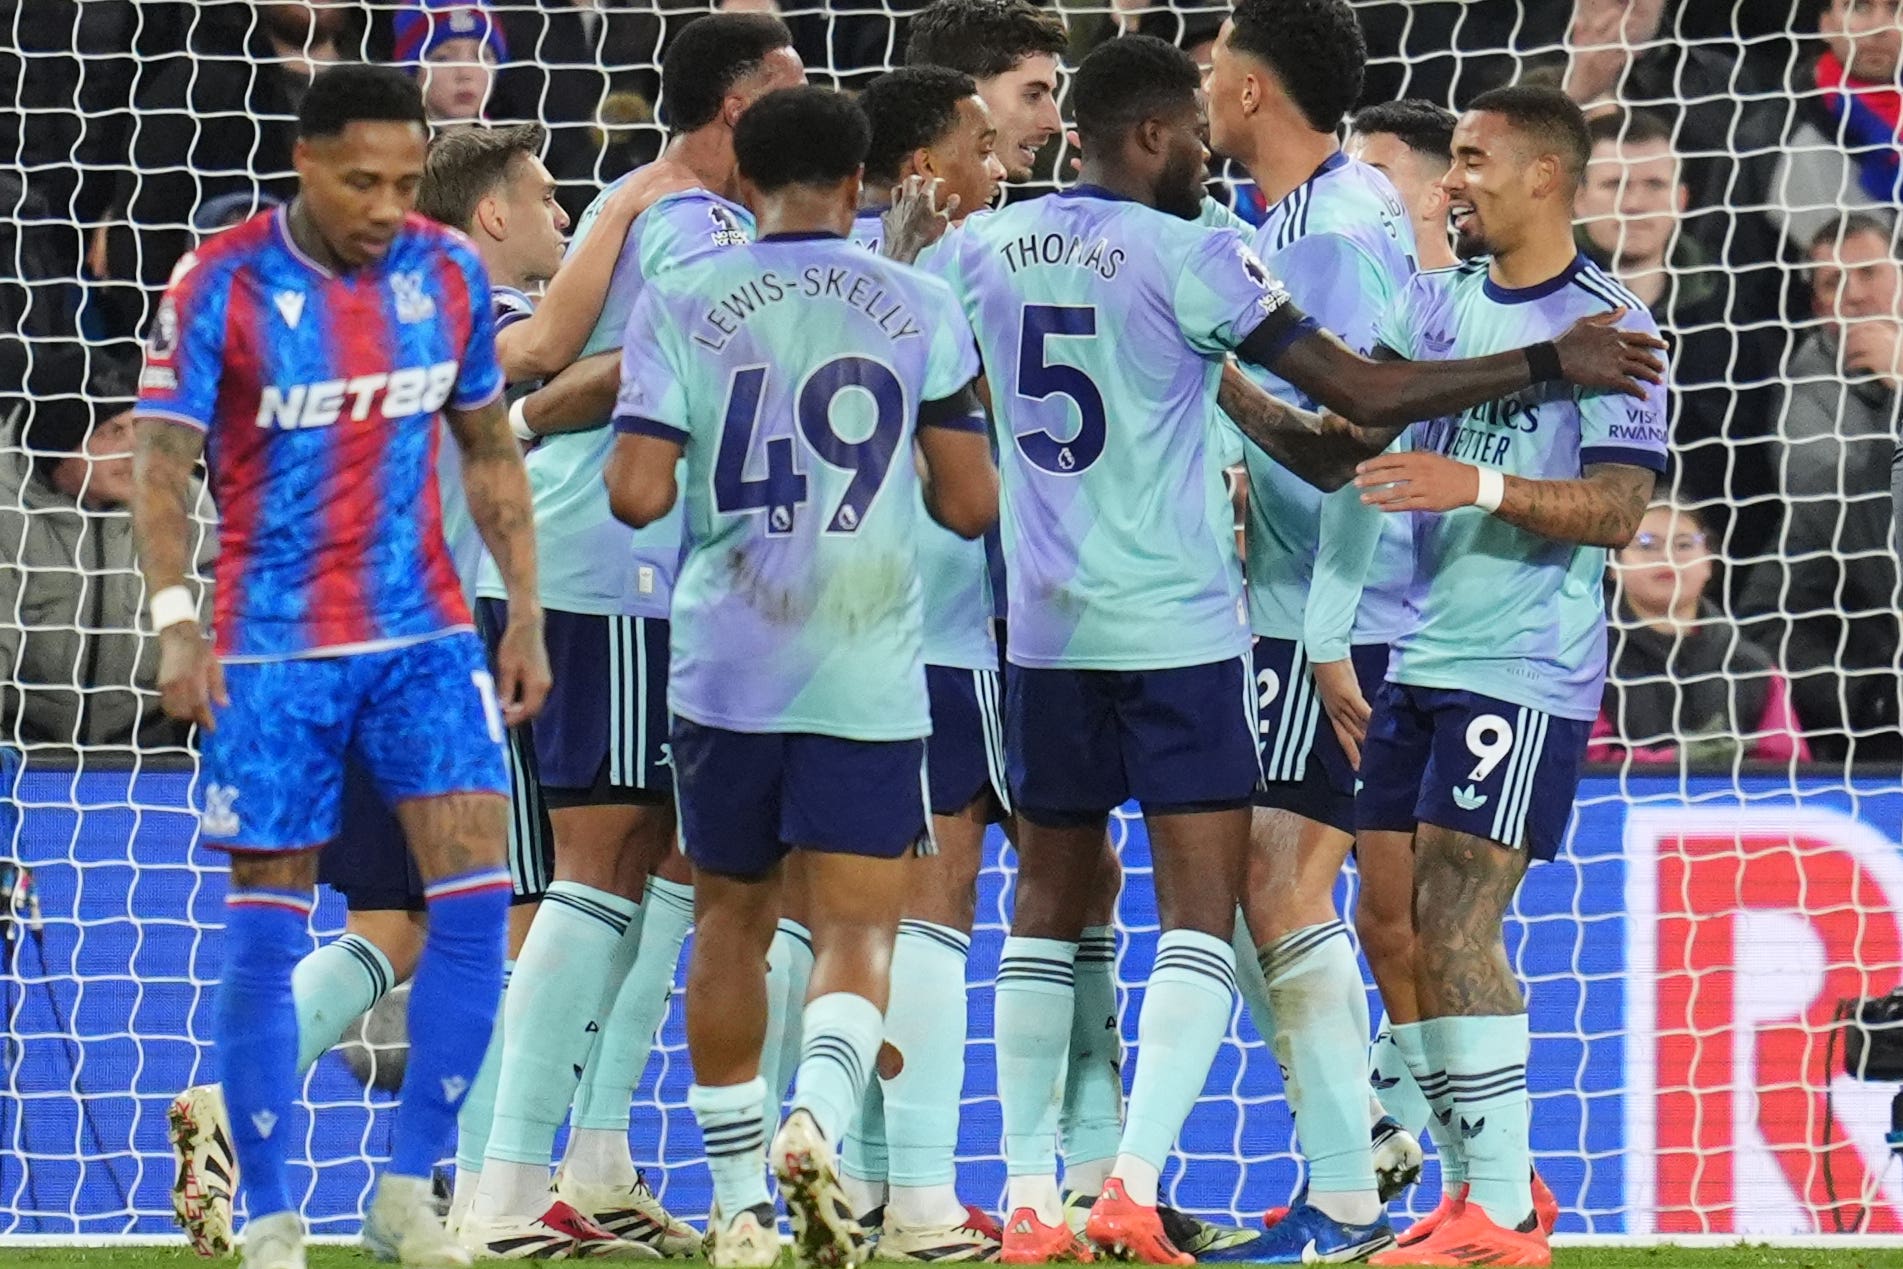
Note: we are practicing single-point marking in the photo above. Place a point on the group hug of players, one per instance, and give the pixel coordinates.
(774, 416)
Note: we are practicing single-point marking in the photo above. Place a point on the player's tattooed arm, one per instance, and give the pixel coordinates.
(1602, 508)
(497, 487)
(1321, 448)
(1391, 392)
(164, 455)
(579, 399)
(552, 337)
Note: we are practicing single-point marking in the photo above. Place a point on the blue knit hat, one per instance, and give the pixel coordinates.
(426, 27)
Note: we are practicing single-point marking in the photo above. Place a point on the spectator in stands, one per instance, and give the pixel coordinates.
(75, 668)
(1630, 209)
(1840, 152)
(454, 49)
(218, 116)
(1723, 123)
(590, 73)
(1684, 684)
(1826, 602)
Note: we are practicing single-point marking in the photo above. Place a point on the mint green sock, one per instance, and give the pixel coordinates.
(735, 1139)
(1186, 1009)
(1033, 1007)
(1394, 1084)
(333, 986)
(557, 998)
(479, 1104)
(865, 1157)
(1484, 1066)
(841, 1037)
(1321, 1014)
(926, 1023)
(1410, 1041)
(789, 970)
(627, 1038)
(1090, 1123)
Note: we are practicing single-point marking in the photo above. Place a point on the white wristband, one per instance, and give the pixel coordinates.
(1493, 488)
(171, 606)
(519, 420)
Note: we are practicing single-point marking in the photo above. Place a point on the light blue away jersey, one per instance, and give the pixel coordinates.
(1325, 569)
(792, 372)
(589, 561)
(466, 550)
(1499, 610)
(952, 573)
(1103, 325)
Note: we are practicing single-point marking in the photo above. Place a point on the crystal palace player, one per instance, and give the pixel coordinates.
(309, 352)
(798, 689)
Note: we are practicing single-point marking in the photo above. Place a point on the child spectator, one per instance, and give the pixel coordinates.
(1684, 684)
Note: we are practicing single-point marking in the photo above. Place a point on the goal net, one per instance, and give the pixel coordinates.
(1731, 886)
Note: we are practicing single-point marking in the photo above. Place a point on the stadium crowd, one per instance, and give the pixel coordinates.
(1744, 183)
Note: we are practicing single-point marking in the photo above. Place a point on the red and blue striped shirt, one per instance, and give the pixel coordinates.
(320, 394)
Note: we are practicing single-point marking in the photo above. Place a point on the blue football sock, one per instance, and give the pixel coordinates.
(479, 1104)
(1034, 1005)
(256, 1037)
(735, 1139)
(1321, 1012)
(1186, 1010)
(1090, 1122)
(453, 1005)
(556, 998)
(842, 1034)
(334, 986)
(627, 1038)
(1484, 1060)
(1410, 1042)
(1394, 1084)
(789, 971)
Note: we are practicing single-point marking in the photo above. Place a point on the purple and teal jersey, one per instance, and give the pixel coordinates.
(792, 371)
(320, 396)
(466, 550)
(590, 562)
(1103, 325)
(953, 576)
(1499, 610)
(1325, 569)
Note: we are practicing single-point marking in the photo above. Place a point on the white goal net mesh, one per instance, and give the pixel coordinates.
(1733, 879)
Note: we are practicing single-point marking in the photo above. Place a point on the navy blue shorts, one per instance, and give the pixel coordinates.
(747, 798)
(1471, 763)
(1304, 768)
(1079, 743)
(964, 757)
(421, 719)
(601, 739)
(369, 862)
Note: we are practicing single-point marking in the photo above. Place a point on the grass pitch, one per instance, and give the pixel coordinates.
(326, 1257)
